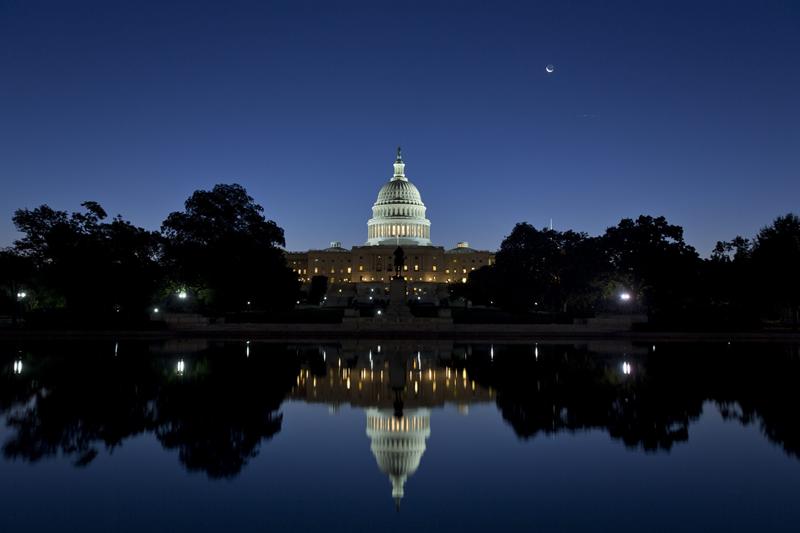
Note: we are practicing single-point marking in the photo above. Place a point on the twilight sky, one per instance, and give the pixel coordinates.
(686, 109)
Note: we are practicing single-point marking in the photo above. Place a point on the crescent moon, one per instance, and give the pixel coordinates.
(550, 69)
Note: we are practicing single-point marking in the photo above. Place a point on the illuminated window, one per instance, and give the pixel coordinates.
(361, 268)
(416, 268)
(463, 270)
(463, 280)
(434, 268)
(316, 270)
(349, 270)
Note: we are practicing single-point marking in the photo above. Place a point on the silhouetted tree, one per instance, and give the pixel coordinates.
(16, 277)
(649, 259)
(222, 246)
(318, 288)
(776, 259)
(87, 264)
(541, 269)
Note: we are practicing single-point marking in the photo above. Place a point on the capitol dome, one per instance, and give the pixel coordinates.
(398, 444)
(398, 215)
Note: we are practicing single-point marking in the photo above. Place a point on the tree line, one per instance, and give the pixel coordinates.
(220, 254)
(645, 265)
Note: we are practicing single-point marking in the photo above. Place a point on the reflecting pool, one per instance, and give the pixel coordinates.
(207, 435)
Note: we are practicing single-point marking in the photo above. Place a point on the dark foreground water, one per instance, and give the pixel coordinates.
(399, 436)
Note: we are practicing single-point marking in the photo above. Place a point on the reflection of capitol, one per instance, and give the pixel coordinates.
(398, 443)
(397, 386)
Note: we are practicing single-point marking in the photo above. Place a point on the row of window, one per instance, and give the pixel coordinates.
(399, 230)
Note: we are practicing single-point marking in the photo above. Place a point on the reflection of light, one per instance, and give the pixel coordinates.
(18, 366)
(324, 355)
(247, 349)
(348, 383)
(379, 348)
(536, 351)
(180, 367)
(625, 296)
(116, 348)
(491, 352)
(626, 368)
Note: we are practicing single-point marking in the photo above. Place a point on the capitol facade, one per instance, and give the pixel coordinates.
(399, 218)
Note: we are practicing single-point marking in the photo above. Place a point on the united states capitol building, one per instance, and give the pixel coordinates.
(399, 218)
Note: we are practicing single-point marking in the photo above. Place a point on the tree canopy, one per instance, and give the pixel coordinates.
(222, 247)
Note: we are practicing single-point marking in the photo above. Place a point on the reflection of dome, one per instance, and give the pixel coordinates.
(398, 443)
(398, 216)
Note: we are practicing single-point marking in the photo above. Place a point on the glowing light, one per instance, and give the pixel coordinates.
(626, 368)
(21, 295)
(18, 366)
(380, 312)
(247, 349)
(182, 295)
(491, 352)
(625, 296)
(180, 367)
(155, 310)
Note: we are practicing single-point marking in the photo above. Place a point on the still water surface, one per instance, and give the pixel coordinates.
(198, 435)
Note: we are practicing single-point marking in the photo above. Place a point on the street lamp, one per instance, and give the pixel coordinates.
(625, 296)
(182, 294)
(21, 295)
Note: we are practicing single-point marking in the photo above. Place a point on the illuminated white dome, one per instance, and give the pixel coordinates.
(398, 216)
(398, 443)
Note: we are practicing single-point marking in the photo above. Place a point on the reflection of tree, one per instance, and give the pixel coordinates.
(218, 410)
(216, 414)
(217, 420)
(78, 401)
(570, 389)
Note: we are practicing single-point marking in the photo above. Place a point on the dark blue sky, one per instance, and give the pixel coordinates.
(690, 110)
